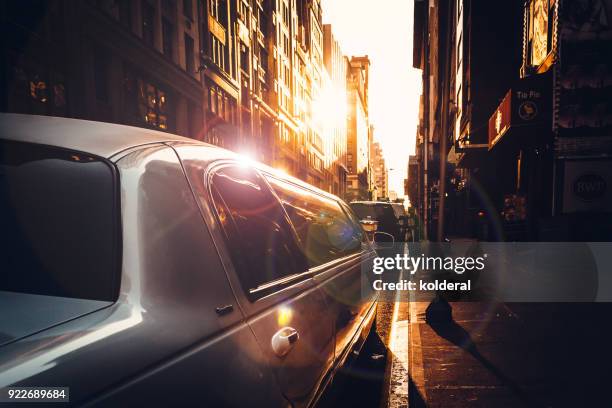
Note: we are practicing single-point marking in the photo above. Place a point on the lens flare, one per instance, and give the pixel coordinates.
(285, 314)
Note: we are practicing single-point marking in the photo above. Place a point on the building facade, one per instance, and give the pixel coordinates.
(567, 55)
(335, 113)
(513, 139)
(133, 63)
(466, 72)
(248, 75)
(380, 172)
(358, 130)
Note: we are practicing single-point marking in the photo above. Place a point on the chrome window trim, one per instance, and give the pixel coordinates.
(304, 275)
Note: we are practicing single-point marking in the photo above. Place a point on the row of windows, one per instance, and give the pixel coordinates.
(143, 100)
(221, 104)
(35, 88)
(270, 240)
(315, 161)
(122, 10)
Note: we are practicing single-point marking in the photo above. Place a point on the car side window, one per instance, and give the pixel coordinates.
(353, 218)
(325, 231)
(260, 239)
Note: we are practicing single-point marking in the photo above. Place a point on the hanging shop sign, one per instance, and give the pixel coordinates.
(526, 105)
(499, 123)
(587, 186)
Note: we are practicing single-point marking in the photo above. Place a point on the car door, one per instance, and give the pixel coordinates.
(283, 307)
(332, 244)
(350, 287)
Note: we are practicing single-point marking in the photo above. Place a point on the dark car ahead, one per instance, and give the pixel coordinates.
(141, 268)
(382, 212)
(402, 218)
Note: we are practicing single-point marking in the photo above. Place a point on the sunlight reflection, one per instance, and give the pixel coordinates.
(285, 314)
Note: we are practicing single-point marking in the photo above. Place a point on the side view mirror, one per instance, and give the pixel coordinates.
(383, 240)
(369, 225)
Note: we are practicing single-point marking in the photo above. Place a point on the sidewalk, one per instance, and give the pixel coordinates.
(457, 363)
(498, 355)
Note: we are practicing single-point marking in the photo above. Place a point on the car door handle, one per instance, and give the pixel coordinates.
(284, 340)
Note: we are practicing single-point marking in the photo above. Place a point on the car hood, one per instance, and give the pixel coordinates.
(23, 314)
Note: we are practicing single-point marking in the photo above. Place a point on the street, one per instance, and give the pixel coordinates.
(482, 354)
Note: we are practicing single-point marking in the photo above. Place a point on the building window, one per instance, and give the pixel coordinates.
(188, 9)
(167, 38)
(244, 58)
(189, 62)
(153, 105)
(212, 103)
(243, 10)
(148, 18)
(34, 89)
(217, 10)
(218, 52)
(214, 8)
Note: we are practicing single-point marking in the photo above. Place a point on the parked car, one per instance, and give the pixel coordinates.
(142, 268)
(402, 219)
(382, 212)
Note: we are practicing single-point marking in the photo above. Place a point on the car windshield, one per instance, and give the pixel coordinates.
(58, 223)
(376, 211)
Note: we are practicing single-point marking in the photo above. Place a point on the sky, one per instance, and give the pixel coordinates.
(382, 29)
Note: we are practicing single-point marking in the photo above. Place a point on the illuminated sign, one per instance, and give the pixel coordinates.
(499, 123)
(539, 31)
(524, 106)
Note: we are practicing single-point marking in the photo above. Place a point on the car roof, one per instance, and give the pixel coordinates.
(108, 139)
(97, 138)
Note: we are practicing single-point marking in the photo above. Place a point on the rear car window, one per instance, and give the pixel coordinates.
(259, 235)
(59, 224)
(325, 231)
(399, 210)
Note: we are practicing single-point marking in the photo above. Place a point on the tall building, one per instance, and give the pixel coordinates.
(256, 69)
(135, 63)
(334, 92)
(565, 85)
(465, 73)
(380, 172)
(513, 142)
(411, 181)
(314, 142)
(247, 75)
(221, 77)
(358, 130)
